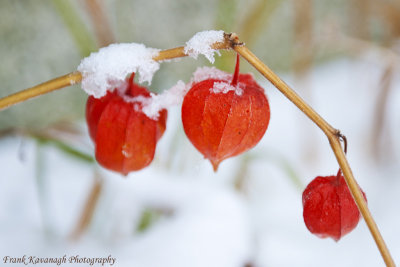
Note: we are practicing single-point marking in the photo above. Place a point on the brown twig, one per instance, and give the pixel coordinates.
(303, 38)
(89, 208)
(256, 19)
(43, 88)
(359, 17)
(334, 141)
(232, 41)
(76, 77)
(101, 25)
(302, 63)
(380, 109)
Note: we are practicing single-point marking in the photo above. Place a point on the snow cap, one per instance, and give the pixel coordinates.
(106, 69)
(201, 43)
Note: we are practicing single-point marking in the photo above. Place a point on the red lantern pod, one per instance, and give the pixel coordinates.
(223, 119)
(125, 138)
(329, 209)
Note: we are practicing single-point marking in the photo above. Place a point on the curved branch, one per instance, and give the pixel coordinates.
(232, 42)
(43, 88)
(76, 77)
(334, 138)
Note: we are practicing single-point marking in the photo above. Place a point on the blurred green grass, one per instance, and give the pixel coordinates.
(42, 39)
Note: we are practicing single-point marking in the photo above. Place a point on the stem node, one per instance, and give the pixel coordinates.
(231, 41)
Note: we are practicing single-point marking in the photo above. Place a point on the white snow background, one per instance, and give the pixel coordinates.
(211, 223)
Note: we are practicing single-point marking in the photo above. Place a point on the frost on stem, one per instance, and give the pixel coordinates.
(201, 43)
(171, 97)
(204, 73)
(224, 86)
(174, 96)
(108, 68)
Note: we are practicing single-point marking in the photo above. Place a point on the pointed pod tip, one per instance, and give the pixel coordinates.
(215, 165)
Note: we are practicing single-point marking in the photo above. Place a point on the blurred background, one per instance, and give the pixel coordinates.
(341, 56)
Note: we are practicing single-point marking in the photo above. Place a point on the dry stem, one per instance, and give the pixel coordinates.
(41, 89)
(232, 41)
(89, 208)
(334, 140)
(76, 77)
(101, 25)
(380, 109)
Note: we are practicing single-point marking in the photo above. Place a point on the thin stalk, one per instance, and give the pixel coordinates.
(256, 20)
(236, 73)
(64, 147)
(89, 208)
(77, 28)
(334, 140)
(232, 41)
(101, 25)
(226, 19)
(284, 88)
(360, 201)
(303, 39)
(43, 88)
(76, 77)
(42, 190)
(380, 111)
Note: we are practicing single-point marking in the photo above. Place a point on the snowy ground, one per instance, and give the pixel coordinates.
(208, 222)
